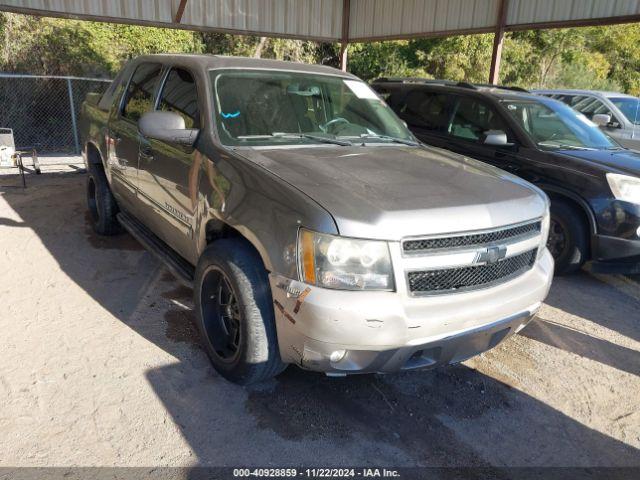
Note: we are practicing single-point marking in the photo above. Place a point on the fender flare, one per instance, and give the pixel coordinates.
(93, 161)
(581, 202)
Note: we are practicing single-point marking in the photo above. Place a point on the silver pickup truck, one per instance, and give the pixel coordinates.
(312, 226)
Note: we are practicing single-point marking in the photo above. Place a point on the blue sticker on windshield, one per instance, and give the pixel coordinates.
(230, 115)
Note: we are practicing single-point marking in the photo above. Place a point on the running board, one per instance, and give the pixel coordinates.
(177, 265)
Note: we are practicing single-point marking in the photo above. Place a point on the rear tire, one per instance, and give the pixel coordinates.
(234, 312)
(568, 237)
(101, 203)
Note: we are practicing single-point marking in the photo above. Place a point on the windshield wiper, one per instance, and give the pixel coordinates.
(318, 138)
(411, 143)
(334, 141)
(565, 147)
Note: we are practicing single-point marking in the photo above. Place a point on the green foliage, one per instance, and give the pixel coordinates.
(463, 58)
(383, 59)
(72, 47)
(594, 57)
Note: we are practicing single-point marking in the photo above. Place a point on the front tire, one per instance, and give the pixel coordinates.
(234, 312)
(568, 238)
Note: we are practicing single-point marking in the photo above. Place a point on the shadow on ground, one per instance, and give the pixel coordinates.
(448, 417)
(584, 296)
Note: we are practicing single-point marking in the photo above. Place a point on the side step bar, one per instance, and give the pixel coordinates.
(177, 265)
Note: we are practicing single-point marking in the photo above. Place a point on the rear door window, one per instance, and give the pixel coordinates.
(179, 95)
(140, 92)
(590, 106)
(571, 100)
(424, 111)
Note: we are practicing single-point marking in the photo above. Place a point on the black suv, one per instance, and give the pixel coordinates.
(593, 183)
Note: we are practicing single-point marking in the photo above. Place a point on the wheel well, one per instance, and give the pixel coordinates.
(580, 209)
(584, 216)
(215, 230)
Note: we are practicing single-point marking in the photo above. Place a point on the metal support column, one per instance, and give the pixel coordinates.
(74, 123)
(498, 40)
(344, 43)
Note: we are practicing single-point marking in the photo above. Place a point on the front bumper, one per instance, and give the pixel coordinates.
(616, 255)
(344, 332)
(616, 247)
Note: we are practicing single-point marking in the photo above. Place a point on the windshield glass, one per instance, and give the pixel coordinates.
(555, 126)
(629, 107)
(260, 107)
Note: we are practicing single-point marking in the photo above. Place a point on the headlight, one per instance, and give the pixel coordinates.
(544, 230)
(344, 263)
(624, 187)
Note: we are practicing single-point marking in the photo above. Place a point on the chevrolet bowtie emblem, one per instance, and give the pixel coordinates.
(491, 255)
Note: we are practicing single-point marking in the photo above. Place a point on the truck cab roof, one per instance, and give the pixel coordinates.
(209, 62)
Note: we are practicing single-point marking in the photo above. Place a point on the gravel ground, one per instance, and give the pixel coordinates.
(101, 367)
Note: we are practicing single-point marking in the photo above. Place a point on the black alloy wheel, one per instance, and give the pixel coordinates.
(221, 314)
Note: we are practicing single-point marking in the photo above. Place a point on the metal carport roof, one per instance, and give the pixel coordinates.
(344, 21)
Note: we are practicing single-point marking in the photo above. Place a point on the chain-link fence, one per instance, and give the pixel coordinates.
(44, 111)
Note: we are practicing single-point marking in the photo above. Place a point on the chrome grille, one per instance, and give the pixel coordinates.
(507, 234)
(470, 278)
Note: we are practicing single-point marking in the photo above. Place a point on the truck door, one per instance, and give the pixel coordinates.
(124, 137)
(165, 167)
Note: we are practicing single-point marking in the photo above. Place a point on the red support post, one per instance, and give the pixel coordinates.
(498, 40)
(180, 11)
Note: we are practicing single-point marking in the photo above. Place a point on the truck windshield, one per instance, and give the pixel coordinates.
(265, 107)
(630, 108)
(555, 126)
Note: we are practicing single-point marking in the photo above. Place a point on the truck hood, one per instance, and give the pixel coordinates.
(627, 161)
(390, 192)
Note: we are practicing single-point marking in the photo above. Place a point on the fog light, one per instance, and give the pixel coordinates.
(638, 232)
(337, 355)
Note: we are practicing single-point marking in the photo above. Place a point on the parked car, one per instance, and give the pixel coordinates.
(312, 226)
(593, 183)
(615, 113)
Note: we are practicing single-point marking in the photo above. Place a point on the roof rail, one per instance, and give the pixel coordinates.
(446, 83)
(502, 87)
(466, 85)
(426, 81)
(413, 80)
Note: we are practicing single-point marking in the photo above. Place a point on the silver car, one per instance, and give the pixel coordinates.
(617, 114)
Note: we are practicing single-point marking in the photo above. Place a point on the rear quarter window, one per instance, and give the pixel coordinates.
(424, 110)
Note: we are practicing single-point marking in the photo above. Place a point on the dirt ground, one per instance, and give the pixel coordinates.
(101, 367)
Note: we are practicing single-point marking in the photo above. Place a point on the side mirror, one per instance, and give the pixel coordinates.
(601, 119)
(496, 138)
(167, 127)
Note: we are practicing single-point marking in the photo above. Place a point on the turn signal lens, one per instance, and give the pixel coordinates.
(308, 256)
